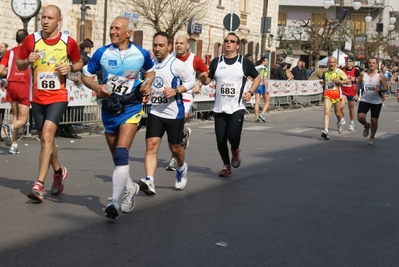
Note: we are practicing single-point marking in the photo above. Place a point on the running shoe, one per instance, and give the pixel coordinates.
(7, 134)
(257, 120)
(172, 165)
(181, 178)
(325, 135)
(236, 159)
(366, 130)
(147, 186)
(343, 121)
(128, 201)
(262, 117)
(13, 150)
(351, 127)
(186, 134)
(37, 192)
(111, 210)
(58, 184)
(371, 141)
(226, 171)
(340, 125)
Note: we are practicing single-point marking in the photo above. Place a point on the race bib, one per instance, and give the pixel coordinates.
(48, 81)
(228, 89)
(330, 85)
(121, 85)
(369, 87)
(157, 97)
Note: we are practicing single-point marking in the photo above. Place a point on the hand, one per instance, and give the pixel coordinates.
(169, 92)
(197, 88)
(62, 69)
(247, 96)
(146, 89)
(33, 56)
(102, 93)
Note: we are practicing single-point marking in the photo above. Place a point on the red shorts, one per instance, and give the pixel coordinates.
(18, 92)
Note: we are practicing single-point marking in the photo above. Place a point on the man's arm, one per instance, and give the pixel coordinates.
(384, 83)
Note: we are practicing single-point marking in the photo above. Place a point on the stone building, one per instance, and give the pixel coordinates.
(207, 43)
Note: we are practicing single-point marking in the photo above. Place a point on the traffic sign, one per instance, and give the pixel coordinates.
(231, 22)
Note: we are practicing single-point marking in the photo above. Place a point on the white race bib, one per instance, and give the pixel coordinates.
(228, 89)
(330, 85)
(48, 81)
(157, 97)
(121, 85)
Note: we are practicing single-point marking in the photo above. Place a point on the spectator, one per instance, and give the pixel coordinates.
(281, 71)
(318, 74)
(309, 71)
(299, 71)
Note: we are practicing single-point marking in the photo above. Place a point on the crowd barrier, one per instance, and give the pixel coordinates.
(83, 106)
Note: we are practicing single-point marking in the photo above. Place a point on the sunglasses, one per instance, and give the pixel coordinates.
(349, 61)
(230, 41)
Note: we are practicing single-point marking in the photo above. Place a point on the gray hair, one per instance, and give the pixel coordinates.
(130, 24)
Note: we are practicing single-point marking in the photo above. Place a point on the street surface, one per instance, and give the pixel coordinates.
(296, 200)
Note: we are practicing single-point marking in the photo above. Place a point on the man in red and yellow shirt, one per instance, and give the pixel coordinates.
(51, 55)
(334, 77)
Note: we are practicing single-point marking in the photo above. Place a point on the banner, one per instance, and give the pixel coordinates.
(79, 95)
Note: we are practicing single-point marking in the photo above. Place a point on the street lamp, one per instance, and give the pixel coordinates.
(340, 16)
(380, 4)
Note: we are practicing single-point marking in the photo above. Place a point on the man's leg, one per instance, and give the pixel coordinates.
(266, 99)
(256, 106)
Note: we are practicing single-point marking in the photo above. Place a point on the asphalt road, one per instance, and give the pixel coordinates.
(296, 200)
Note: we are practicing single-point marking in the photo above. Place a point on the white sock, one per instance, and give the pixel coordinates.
(182, 167)
(326, 130)
(352, 122)
(119, 177)
(15, 145)
(129, 184)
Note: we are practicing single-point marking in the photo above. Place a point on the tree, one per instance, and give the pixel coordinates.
(169, 16)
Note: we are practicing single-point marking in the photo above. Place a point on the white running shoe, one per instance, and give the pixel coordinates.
(13, 150)
(147, 186)
(128, 201)
(351, 127)
(181, 178)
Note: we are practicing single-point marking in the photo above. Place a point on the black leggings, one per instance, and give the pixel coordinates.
(228, 127)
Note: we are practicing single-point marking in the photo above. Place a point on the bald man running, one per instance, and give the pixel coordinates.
(194, 63)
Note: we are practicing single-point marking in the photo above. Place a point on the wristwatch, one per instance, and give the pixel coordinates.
(252, 93)
(72, 68)
(177, 91)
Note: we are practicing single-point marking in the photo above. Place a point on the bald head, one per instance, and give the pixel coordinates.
(181, 46)
(55, 9)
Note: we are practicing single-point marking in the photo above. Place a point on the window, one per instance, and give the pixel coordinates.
(192, 44)
(282, 19)
(318, 19)
(244, 5)
(243, 19)
(358, 23)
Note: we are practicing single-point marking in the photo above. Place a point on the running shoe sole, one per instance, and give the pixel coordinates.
(145, 188)
(262, 117)
(7, 135)
(111, 212)
(34, 196)
(63, 178)
(325, 136)
(129, 206)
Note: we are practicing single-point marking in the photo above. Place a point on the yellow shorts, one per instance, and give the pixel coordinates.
(333, 100)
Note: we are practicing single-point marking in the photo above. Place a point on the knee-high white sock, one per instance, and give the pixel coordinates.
(119, 177)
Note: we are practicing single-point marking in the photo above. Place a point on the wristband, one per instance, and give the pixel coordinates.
(252, 93)
(177, 91)
(72, 68)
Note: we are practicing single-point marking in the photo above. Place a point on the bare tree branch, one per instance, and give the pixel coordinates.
(168, 15)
